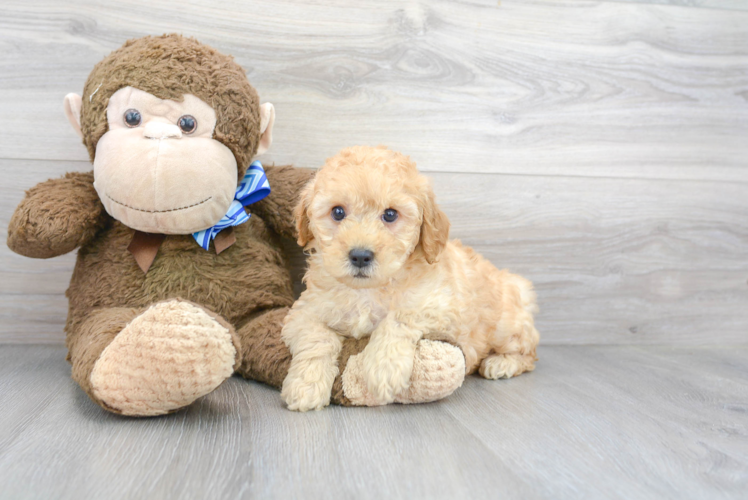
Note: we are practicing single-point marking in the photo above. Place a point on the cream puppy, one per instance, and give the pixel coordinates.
(381, 265)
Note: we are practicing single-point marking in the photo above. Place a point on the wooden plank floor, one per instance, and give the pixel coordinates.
(590, 422)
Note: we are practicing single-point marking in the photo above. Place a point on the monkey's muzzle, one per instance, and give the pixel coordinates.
(169, 184)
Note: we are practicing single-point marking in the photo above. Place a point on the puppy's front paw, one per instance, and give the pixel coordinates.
(301, 396)
(387, 369)
(310, 390)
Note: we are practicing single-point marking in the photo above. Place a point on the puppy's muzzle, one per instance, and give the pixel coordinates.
(361, 257)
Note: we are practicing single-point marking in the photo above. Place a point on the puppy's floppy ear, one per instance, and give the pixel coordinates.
(434, 228)
(300, 215)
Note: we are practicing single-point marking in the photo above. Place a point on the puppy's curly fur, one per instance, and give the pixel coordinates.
(416, 282)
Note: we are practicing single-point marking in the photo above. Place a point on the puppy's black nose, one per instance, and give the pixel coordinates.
(361, 257)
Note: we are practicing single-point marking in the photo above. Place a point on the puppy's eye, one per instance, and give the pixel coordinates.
(338, 213)
(188, 124)
(389, 215)
(132, 118)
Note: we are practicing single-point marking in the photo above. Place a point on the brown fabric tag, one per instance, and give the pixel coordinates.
(224, 239)
(144, 247)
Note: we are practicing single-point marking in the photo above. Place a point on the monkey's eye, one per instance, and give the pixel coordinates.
(188, 124)
(338, 213)
(132, 118)
(389, 215)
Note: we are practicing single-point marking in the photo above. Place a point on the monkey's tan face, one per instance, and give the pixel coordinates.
(158, 168)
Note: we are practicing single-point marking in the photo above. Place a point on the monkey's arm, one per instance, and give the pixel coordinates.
(277, 209)
(56, 217)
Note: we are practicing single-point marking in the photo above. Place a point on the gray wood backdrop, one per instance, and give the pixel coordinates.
(599, 148)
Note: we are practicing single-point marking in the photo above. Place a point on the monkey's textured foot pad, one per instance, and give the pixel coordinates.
(438, 370)
(165, 359)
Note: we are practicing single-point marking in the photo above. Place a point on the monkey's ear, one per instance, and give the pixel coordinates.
(73, 105)
(267, 119)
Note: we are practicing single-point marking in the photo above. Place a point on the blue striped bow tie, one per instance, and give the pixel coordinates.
(253, 187)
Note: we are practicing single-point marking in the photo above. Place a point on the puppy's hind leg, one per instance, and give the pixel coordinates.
(515, 341)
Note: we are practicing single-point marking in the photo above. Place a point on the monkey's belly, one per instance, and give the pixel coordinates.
(249, 276)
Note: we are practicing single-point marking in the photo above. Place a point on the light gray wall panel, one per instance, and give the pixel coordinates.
(614, 260)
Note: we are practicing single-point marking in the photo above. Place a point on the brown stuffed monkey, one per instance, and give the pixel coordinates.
(157, 316)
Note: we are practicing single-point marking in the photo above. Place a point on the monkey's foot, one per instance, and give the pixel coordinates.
(163, 360)
(438, 370)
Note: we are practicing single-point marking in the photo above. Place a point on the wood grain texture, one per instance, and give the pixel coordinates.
(615, 261)
(597, 147)
(619, 127)
(704, 4)
(548, 87)
(590, 422)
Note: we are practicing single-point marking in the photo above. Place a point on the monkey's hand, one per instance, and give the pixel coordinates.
(277, 209)
(56, 217)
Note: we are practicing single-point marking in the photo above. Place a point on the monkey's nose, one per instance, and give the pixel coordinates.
(159, 130)
(361, 257)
